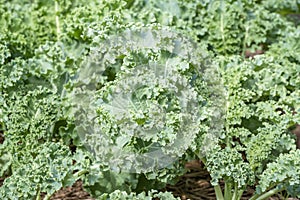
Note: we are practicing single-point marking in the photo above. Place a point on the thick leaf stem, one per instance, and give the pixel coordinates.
(58, 32)
(227, 190)
(38, 195)
(235, 193)
(79, 173)
(245, 41)
(222, 22)
(218, 192)
(267, 194)
(47, 197)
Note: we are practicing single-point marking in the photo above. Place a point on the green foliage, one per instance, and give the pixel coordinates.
(229, 163)
(50, 170)
(245, 108)
(283, 171)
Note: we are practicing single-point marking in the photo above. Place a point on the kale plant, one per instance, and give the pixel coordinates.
(122, 93)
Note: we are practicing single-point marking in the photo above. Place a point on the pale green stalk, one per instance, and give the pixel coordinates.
(267, 194)
(218, 192)
(58, 32)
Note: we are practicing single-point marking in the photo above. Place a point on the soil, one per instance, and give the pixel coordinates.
(1, 142)
(1, 181)
(1, 138)
(296, 131)
(75, 192)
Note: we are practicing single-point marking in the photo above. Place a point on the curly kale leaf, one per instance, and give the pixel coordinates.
(283, 174)
(229, 164)
(50, 170)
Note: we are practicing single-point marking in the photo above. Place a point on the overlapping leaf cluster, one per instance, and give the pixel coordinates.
(262, 110)
(44, 43)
